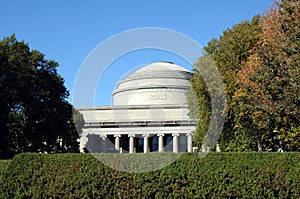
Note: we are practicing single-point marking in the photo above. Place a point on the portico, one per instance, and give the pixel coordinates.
(149, 114)
(137, 138)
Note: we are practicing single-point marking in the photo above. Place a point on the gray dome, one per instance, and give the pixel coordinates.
(159, 70)
(157, 83)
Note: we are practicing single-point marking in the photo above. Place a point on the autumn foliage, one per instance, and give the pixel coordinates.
(270, 83)
(259, 63)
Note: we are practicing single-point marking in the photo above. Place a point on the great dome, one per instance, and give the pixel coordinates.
(159, 83)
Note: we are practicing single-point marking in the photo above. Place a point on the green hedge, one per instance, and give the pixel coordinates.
(218, 175)
(4, 165)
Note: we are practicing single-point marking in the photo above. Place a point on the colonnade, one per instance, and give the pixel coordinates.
(177, 144)
(161, 147)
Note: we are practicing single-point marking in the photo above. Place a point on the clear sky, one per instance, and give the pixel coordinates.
(67, 31)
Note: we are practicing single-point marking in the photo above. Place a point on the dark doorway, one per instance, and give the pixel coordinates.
(168, 142)
(94, 143)
(153, 143)
(139, 144)
(182, 143)
(110, 144)
(124, 143)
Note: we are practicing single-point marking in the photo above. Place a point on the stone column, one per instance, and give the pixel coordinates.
(83, 142)
(218, 148)
(117, 142)
(175, 142)
(160, 142)
(146, 143)
(131, 143)
(103, 146)
(189, 142)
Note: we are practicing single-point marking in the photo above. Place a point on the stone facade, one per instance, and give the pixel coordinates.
(149, 113)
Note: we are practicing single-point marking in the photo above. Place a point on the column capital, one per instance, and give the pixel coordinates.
(146, 135)
(84, 130)
(175, 134)
(131, 135)
(160, 134)
(84, 135)
(103, 136)
(189, 134)
(117, 135)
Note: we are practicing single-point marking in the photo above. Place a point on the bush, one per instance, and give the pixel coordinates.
(218, 175)
(4, 164)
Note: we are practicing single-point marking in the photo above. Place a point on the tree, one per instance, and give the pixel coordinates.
(227, 53)
(198, 98)
(270, 82)
(35, 116)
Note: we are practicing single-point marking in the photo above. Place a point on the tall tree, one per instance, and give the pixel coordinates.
(227, 53)
(198, 98)
(35, 115)
(270, 82)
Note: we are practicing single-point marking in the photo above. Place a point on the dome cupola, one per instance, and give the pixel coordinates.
(159, 83)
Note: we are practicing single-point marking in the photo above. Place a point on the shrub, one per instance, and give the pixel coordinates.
(218, 175)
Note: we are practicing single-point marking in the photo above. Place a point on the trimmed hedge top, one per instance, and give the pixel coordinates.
(218, 175)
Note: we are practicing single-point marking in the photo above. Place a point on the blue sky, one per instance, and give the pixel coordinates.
(67, 31)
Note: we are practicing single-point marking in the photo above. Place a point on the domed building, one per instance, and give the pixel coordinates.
(149, 113)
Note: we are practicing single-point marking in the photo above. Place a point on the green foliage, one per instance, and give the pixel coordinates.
(233, 49)
(34, 112)
(4, 165)
(207, 102)
(78, 120)
(199, 104)
(227, 53)
(259, 62)
(217, 175)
